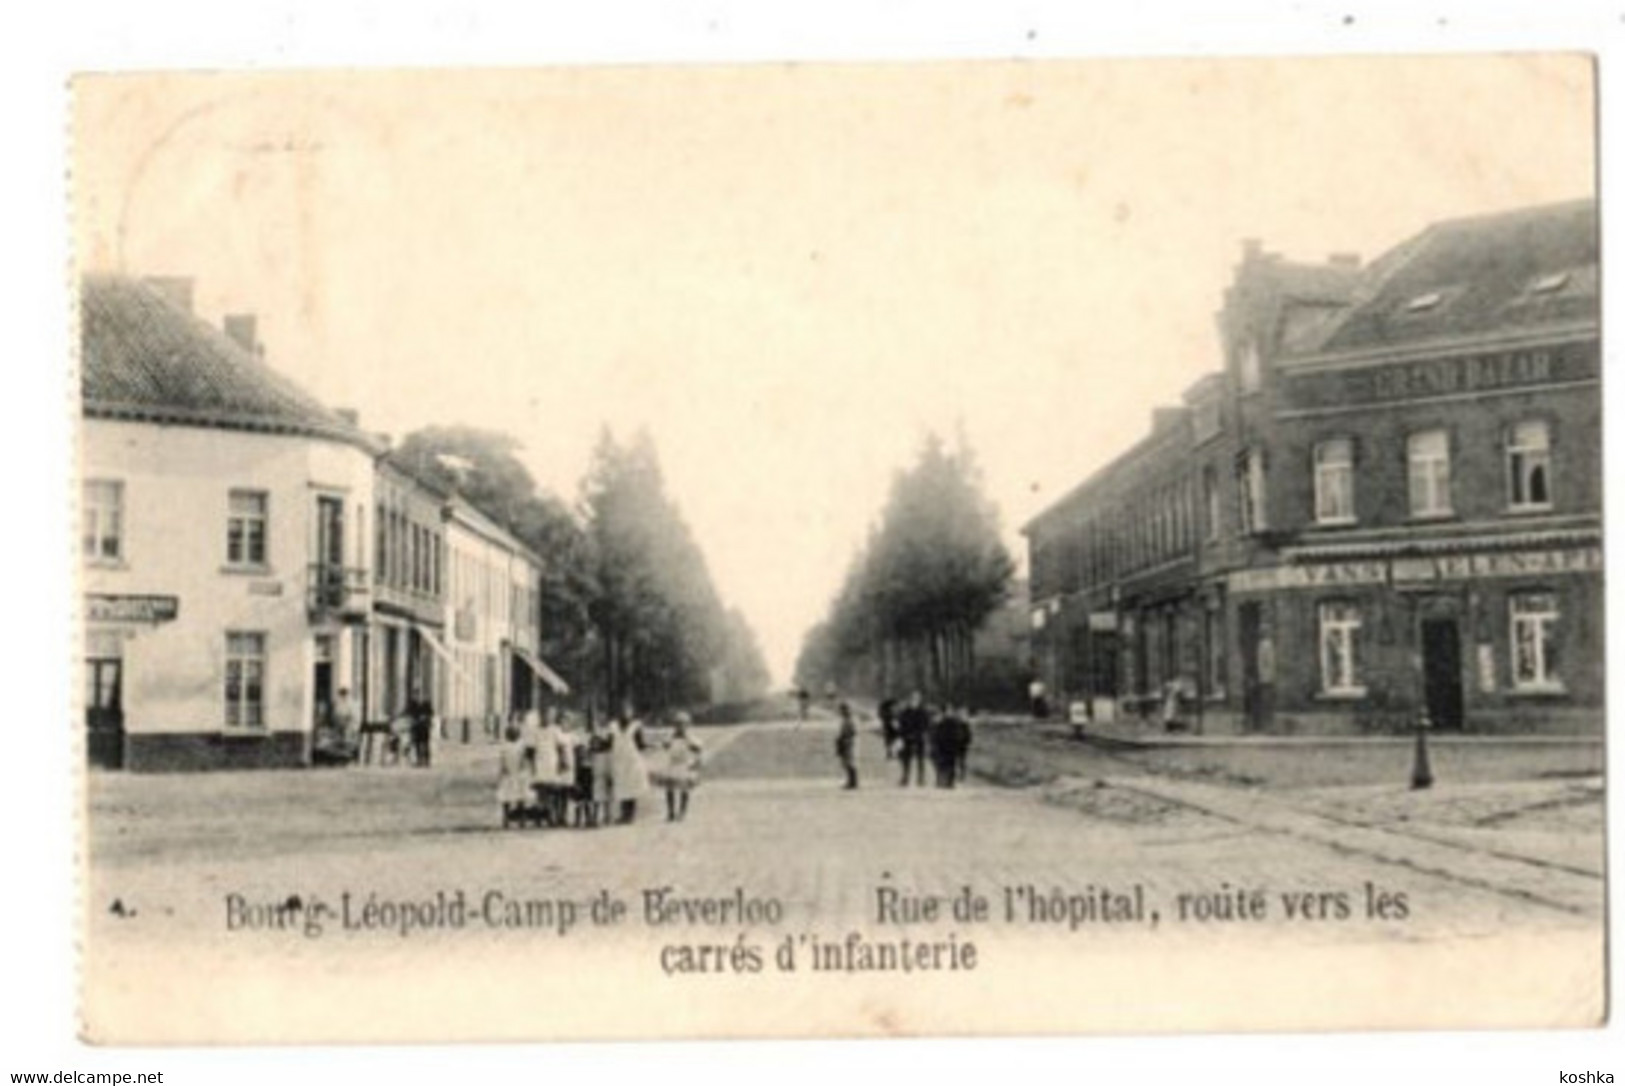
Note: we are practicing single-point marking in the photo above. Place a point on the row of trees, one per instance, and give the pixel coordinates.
(930, 574)
(629, 610)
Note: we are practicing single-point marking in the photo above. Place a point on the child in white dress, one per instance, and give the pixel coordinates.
(681, 773)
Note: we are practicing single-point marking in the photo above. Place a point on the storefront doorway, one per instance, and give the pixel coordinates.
(104, 712)
(1441, 671)
(322, 678)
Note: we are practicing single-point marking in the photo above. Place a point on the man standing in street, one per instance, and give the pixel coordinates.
(846, 741)
(913, 724)
(888, 724)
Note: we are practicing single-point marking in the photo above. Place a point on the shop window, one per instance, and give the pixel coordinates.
(1334, 481)
(245, 681)
(247, 524)
(103, 520)
(1529, 466)
(1339, 649)
(1428, 460)
(1534, 641)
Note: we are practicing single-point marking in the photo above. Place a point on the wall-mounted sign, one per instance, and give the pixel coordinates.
(1430, 377)
(153, 609)
(1103, 621)
(1422, 570)
(265, 588)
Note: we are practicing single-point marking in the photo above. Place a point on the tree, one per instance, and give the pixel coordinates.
(929, 575)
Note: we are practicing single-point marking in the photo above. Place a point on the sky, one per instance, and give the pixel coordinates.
(791, 274)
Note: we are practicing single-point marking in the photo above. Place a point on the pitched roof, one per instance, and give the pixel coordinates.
(143, 357)
(1477, 276)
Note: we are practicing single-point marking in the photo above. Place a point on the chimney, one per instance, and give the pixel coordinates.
(176, 288)
(242, 328)
(349, 415)
(1350, 261)
(1164, 417)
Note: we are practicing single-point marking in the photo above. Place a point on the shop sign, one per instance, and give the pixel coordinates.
(150, 609)
(1103, 621)
(1425, 570)
(1470, 567)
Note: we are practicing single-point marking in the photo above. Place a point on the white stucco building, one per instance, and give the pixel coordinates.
(225, 551)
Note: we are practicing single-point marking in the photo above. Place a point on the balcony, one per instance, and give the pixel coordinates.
(339, 592)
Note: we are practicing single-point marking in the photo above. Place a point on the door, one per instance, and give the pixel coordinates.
(322, 679)
(104, 712)
(1441, 672)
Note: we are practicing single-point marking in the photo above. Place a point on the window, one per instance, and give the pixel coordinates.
(1211, 496)
(1250, 492)
(103, 520)
(1339, 642)
(1334, 481)
(1428, 457)
(1534, 641)
(246, 528)
(1252, 369)
(245, 681)
(1529, 465)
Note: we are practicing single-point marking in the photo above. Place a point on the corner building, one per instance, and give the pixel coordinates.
(1388, 503)
(226, 592)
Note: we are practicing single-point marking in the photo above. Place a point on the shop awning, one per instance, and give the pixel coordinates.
(542, 671)
(432, 639)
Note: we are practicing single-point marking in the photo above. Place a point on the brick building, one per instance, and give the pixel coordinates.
(1389, 500)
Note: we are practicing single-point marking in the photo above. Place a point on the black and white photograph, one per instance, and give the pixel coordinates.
(884, 549)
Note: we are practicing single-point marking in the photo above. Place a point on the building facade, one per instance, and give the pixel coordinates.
(408, 650)
(226, 592)
(1386, 506)
(493, 626)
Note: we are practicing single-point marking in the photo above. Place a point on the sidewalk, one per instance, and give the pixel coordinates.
(1139, 734)
(1452, 834)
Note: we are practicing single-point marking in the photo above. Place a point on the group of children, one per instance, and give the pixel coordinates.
(553, 774)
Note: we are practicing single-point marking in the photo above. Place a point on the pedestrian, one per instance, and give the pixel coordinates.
(421, 714)
(913, 726)
(513, 777)
(802, 700)
(967, 720)
(681, 772)
(952, 739)
(629, 777)
(1038, 696)
(846, 741)
(888, 724)
(593, 783)
(336, 742)
(553, 773)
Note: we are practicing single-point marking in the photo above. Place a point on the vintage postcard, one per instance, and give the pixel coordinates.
(850, 549)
